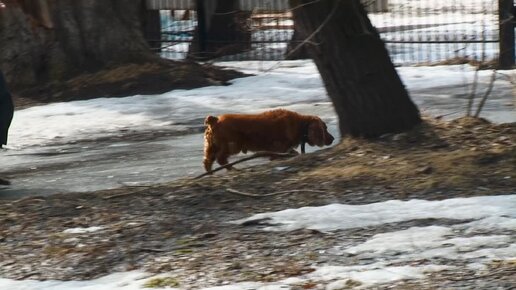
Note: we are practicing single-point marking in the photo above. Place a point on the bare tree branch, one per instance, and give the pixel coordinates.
(473, 93)
(486, 95)
(309, 38)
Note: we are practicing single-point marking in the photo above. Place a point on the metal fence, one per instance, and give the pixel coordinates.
(270, 29)
(415, 31)
(429, 31)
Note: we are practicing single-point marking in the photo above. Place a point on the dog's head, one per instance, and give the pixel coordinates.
(318, 134)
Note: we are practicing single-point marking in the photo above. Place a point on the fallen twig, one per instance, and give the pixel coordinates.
(125, 193)
(152, 250)
(448, 114)
(273, 193)
(254, 156)
(143, 188)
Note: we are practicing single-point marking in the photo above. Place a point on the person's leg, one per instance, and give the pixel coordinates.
(6, 110)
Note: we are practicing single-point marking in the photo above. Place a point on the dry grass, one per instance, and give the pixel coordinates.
(461, 154)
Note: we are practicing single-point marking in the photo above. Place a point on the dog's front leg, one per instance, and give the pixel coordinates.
(222, 158)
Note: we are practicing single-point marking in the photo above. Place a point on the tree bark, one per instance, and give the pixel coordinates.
(360, 79)
(225, 31)
(54, 40)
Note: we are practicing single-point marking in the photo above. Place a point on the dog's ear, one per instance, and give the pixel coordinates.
(210, 120)
(316, 133)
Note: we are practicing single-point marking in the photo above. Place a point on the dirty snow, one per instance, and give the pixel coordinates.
(490, 236)
(82, 230)
(484, 232)
(117, 281)
(488, 225)
(343, 216)
(439, 89)
(62, 122)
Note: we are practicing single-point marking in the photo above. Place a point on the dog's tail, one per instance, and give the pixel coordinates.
(211, 120)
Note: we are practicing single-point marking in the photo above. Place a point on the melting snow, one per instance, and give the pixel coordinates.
(343, 216)
(82, 230)
(288, 84)
(432, 243)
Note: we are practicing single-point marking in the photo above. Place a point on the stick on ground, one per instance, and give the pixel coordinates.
(273, 193)
(254, 156)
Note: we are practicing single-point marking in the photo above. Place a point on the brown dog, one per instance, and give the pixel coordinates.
(275, 131)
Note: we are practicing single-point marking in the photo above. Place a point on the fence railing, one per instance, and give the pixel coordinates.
(415, 31)
(436, 30)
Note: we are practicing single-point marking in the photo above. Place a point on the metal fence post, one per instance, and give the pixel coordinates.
(506, 22)
(201, 25)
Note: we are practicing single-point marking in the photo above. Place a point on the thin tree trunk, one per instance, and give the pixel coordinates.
(357, 72)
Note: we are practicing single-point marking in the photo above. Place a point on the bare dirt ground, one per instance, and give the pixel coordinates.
(182, 227)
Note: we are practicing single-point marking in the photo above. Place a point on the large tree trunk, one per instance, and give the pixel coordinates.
(43, 40)
(225, 31)
(360, 79)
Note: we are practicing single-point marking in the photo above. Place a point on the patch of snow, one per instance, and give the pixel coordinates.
(365, 275)
(415, 238)
(429, 243)
(342, 216)
(491, 214)
(82, 230)
(133, 280)
(438, 5)
(489, 223)
(501, 253)
(275, 84)
(248, 286)
(383, 250)
(64, 122)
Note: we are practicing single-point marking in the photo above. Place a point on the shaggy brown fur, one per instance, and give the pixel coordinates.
(275, 131)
